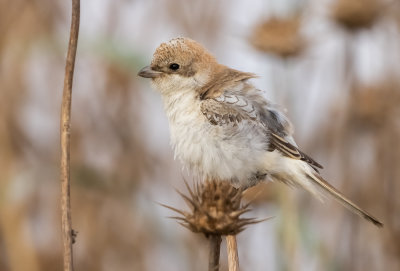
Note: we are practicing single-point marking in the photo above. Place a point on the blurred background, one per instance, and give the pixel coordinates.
(334, 64)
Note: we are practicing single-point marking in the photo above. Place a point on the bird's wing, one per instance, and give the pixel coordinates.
(281, 144)
(231, 108)
(228, 109)
(280, 132)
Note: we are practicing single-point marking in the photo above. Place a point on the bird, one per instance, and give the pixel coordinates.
(222, 128)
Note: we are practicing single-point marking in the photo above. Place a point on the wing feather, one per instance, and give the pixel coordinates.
(291, 151)
(231, 108)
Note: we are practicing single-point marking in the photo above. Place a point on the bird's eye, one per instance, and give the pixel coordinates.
(174, 66)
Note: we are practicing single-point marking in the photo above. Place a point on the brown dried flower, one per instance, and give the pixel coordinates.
(356, 14)
(278, 36)
(215, 209)
(375, 105)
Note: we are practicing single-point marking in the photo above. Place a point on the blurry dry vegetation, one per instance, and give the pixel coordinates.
(356, 14)
(278, 36)
(110, 158)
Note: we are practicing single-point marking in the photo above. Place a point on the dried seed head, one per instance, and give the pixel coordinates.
(356, 14)
(215, 209)
(375, 106)
(278, 36)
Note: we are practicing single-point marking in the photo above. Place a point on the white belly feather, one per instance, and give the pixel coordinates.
(212, 151)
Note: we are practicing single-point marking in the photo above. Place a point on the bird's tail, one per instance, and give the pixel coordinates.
(300, 173)
(323, 185)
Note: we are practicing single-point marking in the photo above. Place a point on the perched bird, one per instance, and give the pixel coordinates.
(222, 128)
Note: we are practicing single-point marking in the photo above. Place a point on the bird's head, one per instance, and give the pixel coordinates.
(180, 64)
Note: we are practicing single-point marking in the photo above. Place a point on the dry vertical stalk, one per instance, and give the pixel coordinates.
(215, 246)
(65, 125)
(233, 258)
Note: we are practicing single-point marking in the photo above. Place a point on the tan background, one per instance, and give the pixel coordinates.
(335, 65)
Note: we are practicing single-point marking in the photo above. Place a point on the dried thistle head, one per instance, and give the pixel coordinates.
(215, 209)
(356, 14)
(374, 106)
(280, 37)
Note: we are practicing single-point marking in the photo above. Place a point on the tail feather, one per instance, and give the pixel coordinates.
(325, 186)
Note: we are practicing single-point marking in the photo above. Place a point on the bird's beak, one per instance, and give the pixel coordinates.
(148, 72)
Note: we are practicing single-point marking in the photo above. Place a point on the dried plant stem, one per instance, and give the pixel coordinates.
(215, 245)
(65, 124)
(233, 258)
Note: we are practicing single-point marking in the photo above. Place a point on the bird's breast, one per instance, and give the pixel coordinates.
(212, 151)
